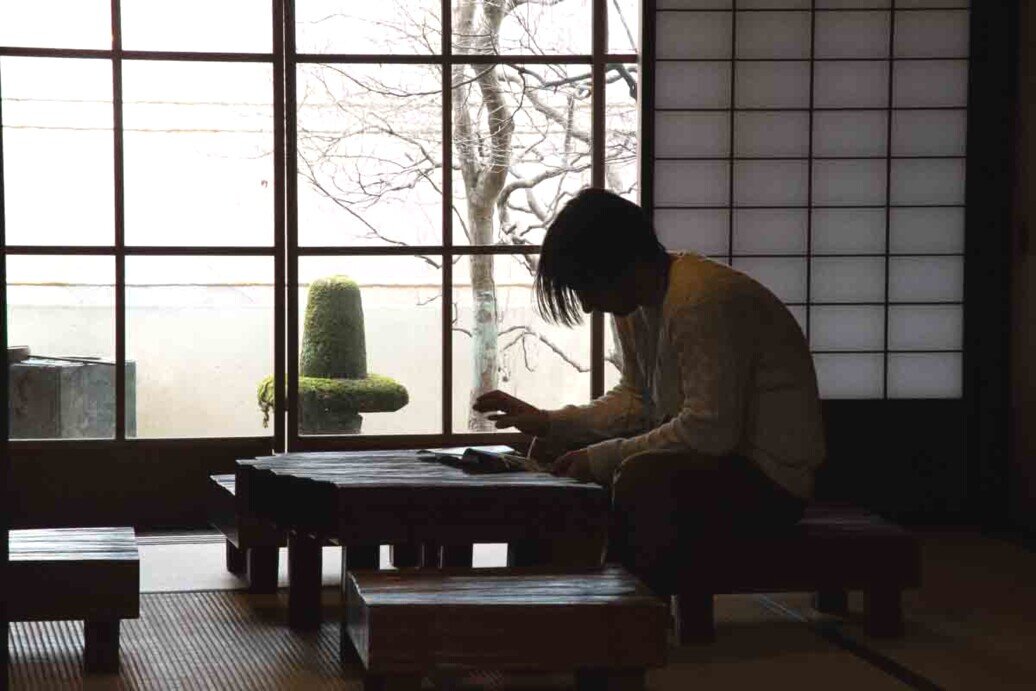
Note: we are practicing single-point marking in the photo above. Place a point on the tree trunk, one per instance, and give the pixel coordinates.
(484, 329)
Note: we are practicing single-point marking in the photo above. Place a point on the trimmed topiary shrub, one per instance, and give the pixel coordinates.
(334, 385)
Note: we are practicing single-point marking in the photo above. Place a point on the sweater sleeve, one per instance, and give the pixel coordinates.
(713, 354)
(617, 413)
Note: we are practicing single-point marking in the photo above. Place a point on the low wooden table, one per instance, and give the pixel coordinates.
(602, 624)
(362, 500)
(92, 574)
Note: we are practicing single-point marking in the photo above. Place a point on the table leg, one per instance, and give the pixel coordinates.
(610, 680)
(101, 646)
(432, 557)
(457, 556)
(528, 553)
(304, 580)
(236, 562)
(262, 569)
(360, 557)
(405, 555)
(394, 682)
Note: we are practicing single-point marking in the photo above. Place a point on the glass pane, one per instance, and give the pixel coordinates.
(769, 35)
(200, 332)
(198, 153)
(770, 231)
(851, 84)
(928, 181)
(848, 231)
(771, 134)
(692, 85)
(850, 133)
(500, 341)
(398, 324)
(58, 105)
(852, 34)
(847, 328)
(84, 24)
(932, 34)
(699, 35)
(931, 3)
(926, 328)
(622, 127)
(612, 355)
(931, 84)
(693, 135)
(847, 4)
(230, 26)
(926, 279)
(772, 4)
(848, 280)
(850, 376)
(536, 118)
(786, 278)
(847, 183)
(63, 310)
(624, 26)
(929, 132)
(527, 28)
(386, 26)
(933, 375)
(692, 183)
(705, 231)
(772, 85)
(770, 183)
(370, 155)
(922, 230)
(694, 4)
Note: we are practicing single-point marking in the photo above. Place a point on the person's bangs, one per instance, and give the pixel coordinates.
(557, 302)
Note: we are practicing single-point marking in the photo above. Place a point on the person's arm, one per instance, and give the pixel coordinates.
(619, 412)
(714, 362)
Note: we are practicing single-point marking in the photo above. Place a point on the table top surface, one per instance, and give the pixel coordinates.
(396, 469)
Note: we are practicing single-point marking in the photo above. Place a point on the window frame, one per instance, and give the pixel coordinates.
(286, 251)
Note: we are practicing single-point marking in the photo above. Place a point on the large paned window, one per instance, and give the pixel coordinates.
(300, 218)
(819, 145)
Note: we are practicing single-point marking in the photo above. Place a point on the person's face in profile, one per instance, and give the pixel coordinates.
(618, 297)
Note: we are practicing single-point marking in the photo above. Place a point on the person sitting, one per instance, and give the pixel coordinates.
(715, 424)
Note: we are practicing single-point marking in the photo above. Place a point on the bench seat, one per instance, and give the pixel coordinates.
(833, 549)
(602, 624)
(92, 574)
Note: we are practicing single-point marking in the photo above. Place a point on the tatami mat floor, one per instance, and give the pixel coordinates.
(972, 626)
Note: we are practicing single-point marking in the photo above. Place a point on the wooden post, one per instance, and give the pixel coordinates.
(304, 580)
(405, 555)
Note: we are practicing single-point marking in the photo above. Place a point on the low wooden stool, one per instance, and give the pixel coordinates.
(834, 549)
(92, 574)
(602, 624)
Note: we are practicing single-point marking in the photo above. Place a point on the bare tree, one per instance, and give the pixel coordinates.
(521, 149)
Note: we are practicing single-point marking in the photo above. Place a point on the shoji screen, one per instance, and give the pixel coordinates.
(819, 147)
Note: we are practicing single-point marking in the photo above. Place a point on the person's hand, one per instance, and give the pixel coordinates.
(574, 464)
(513, 412)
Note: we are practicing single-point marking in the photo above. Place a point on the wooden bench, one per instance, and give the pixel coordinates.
(92, 574)
(834, 549)
(252, 544)
(602, 624)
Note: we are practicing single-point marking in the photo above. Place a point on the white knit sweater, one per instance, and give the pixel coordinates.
(732, 373)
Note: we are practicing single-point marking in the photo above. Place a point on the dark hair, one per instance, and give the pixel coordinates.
(592, 240)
